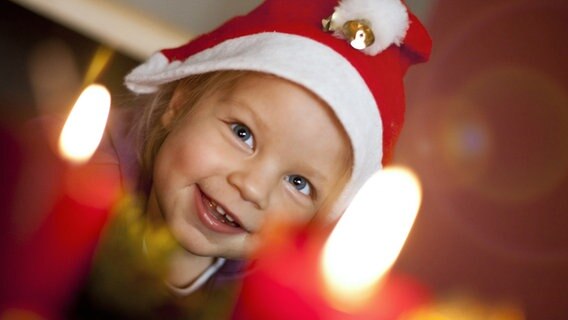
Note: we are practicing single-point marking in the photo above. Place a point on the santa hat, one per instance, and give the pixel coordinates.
(353, 54)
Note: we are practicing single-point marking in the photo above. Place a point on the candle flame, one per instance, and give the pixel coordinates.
(85, 125)
(370, 235)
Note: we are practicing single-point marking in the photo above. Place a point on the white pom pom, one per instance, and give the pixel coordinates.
(388, 19)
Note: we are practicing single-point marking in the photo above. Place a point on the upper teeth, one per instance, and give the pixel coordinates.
(217, 207)
(221, 211)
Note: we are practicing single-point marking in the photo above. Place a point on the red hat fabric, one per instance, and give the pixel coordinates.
(363, 85)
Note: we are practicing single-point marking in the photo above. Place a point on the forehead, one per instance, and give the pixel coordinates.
(275, 101)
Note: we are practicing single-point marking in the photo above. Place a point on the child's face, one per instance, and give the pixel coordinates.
(264, 150)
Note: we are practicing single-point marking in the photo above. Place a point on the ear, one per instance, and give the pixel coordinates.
(173, 108)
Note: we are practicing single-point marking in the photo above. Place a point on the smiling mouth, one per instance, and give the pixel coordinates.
(219, 213)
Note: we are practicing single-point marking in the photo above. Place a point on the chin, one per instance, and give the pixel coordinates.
(199, 244)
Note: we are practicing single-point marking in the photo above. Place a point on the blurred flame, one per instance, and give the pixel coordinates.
(85, 125)
(370, 235)
(467, 307)
(20, 314)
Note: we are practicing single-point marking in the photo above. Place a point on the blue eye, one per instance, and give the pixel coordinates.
(300, 183)
(243, 132)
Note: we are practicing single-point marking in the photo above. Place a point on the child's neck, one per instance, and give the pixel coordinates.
(182, 267)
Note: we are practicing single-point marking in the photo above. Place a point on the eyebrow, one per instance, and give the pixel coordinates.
(258, 121)
(313, 171)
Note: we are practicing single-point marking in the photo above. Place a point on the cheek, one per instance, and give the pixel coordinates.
(303, 217)
(291, 214)
(192, 153)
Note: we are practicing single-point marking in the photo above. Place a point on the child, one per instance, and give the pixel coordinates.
(270, 117)
(278, 116)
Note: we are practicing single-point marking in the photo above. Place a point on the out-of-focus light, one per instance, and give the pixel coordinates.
(85, 125)
(100, 61)
(370, 235)
(21, 314)
(467, 307)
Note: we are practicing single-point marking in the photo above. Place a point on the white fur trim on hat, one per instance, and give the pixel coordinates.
(309, 63)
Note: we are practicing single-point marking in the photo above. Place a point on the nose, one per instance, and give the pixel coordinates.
(254, 183)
